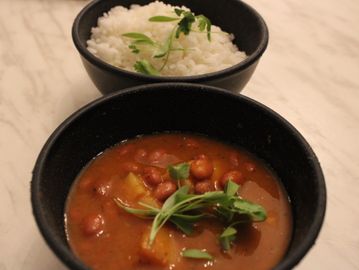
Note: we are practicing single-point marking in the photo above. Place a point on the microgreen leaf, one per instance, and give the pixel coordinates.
(229, 232)
(184, 209)
(225, 214)
(165, 213)
(184, 225)
(164, 49)
(138, 39)
(185, 24)
(137, 212)
(226, 238)
(196, 254)
(255, 211)
(179, 11)
(186, 19)
(201, 23)
(159, 220)
(204, 24)
(231, 188)
(215, 196)
(149, 206)
(181, 196)
(162, 19)
(145, 67)
(179, 171)
(134, 49)
(189, 218)
(138, 36)
(160, 53)
(143, 42)
(174, 198)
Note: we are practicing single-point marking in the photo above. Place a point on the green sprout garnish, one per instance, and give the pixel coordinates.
(184, 209)
(185, 19)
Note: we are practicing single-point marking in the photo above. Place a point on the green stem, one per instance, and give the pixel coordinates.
(169, 49)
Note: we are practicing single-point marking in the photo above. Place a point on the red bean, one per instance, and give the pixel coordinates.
(201, 169)
(103, 188)
(75, 214)
(250, 166)
(124, 149)
(235, 175)
(234, 159)
(164, 190)
(156, 155)
(130, 167)
(92, 224)
(110, 209)
(166, 177)
(152, 176)
(86, 183)
(203, 187)
(202, 156)
(191, 143)
(140, 154)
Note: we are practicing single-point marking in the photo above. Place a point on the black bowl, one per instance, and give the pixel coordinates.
(178, 107)
(232, 16)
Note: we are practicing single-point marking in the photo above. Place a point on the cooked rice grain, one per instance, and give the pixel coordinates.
(201, 56)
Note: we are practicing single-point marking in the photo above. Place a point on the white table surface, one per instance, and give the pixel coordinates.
(309, 74)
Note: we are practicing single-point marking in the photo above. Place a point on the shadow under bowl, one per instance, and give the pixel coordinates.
(233, 16)
(185, 108)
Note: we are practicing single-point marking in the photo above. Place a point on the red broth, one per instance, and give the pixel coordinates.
(106, 237)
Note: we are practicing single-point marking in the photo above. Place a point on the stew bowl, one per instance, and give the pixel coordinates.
(185, 108)
(233, 16)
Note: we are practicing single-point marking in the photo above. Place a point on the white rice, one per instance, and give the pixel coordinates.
(201, 56)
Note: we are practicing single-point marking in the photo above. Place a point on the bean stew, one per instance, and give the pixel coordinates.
(177, 201)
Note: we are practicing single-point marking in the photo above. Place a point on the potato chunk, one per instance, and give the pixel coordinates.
(150, 200)
(163, 250)
(134, 185)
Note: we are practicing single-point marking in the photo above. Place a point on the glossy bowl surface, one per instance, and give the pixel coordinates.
(178, 107)
(233, 16)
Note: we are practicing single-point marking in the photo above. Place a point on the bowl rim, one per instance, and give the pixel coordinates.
(252, 58)
(64, 252)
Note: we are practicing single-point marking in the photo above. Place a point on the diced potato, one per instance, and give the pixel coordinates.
(163, 250)
(150, 200)
(134, 185)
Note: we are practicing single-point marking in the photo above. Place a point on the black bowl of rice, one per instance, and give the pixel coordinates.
(126, 43)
